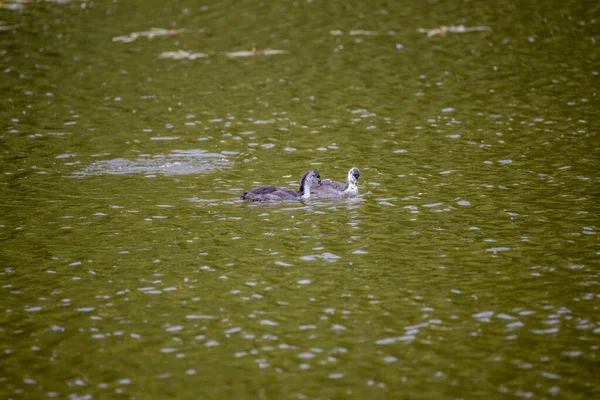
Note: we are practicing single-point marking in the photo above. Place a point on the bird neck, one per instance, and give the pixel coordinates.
(351, 187)
(305, 191)
(352, 183)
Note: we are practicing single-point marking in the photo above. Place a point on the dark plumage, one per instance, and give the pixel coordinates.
(330, 188)
(309, 180)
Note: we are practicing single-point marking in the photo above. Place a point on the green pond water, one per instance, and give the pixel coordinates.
(468, 266)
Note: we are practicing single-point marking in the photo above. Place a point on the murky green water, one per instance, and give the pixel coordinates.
(467, 267)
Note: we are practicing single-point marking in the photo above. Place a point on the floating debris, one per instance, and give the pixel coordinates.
(21, 4)
(443, 30)
(182, 54)
(7, 27)
(254, 52)
(357, 32)
(151, 34)
(13, 4)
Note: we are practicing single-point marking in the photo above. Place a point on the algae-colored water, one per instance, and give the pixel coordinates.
(468, 266)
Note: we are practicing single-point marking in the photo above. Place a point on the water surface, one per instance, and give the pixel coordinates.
(467, 267)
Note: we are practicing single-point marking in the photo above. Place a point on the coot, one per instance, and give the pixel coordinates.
(310, 181)
(330, 188)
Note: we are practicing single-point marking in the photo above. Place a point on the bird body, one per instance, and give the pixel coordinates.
(310, 180)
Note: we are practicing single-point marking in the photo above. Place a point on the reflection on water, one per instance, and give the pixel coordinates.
(179, 162)
(466, 267)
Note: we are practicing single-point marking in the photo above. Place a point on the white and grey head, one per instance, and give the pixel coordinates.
(311, 178)
(353, 175)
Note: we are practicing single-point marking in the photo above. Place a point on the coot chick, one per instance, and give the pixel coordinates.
(310, 180)
(330, 188)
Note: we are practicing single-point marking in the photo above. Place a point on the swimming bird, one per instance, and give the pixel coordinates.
(310, 180)
(330, 188)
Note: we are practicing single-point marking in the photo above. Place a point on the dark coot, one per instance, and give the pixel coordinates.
(309, 182)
